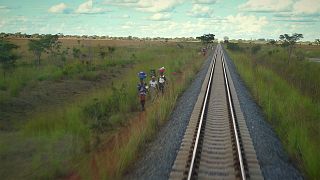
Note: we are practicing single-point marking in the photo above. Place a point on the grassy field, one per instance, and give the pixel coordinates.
(100, 132)
(289, 96)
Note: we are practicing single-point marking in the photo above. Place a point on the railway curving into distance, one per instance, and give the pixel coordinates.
(216, 144)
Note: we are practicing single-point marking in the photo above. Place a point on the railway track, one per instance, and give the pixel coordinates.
(216, 144)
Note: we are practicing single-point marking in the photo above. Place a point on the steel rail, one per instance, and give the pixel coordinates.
(201, 120)
(243, 175)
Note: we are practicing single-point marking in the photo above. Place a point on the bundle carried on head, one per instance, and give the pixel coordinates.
(162, 69)
(142, 75)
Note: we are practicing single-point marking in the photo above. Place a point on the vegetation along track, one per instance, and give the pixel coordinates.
(216, 144)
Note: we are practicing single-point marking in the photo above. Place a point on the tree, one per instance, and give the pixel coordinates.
(289, 42)
(206, 38)
(317, 41)
(111, 51)
(7, 57)
(272, 42)
(47, 43)
(76, 53)
(52, 45)
(37, 48)
(102, 53)
(226, 39)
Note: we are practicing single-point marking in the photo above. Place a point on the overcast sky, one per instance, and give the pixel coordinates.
(237, 19)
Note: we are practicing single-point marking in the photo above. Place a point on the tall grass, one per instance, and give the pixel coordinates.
(299, 72)
(80, 128)
(294, 116)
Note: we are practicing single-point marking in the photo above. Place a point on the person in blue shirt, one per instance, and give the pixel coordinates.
(142, 90)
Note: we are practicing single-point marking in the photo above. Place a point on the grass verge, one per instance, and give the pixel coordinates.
(295, 117)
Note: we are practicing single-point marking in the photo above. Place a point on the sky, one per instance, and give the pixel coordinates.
(237, 19)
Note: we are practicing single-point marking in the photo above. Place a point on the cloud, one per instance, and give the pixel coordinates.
(58, 8)
(160, 17)
(157, 5)
(266, 5)
(2, 23)
(87, 8)
(247, 24)
(4, 9)
(154, 6)
(204, 1)
(296, 19)
(200, 11)
(127, 25)
(307, 7)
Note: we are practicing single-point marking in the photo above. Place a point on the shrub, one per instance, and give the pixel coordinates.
(233, 47)
(255, 49)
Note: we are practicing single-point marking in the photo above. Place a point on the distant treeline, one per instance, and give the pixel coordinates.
(36, 35)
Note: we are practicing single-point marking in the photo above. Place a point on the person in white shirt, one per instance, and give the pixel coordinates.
(153, 88)
(162, 79)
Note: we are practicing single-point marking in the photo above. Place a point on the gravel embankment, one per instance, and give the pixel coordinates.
(159, 155)
(273, 160)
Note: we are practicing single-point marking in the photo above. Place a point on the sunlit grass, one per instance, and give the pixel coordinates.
(294, 116)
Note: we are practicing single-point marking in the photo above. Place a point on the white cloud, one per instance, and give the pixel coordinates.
(266, 5)
(307, 6)
(154, 6)
(2, 23)
(127, 25)
(200, 11)
(4, 9)
(204, 1)
(247, 24)
(157, 5)
(58, 8)
(160, 17)
(87, 8)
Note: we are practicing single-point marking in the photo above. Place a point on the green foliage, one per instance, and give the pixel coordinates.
(76, 53)
(272, 42)
(7, 57)
(206, 38)
(289, 42)
(255, 48)
(233, 46)
(45, 43)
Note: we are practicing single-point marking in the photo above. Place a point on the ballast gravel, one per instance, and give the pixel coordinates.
(159, 155)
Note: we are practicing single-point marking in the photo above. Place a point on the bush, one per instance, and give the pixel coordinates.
(103, 112)
(234, 47)
(255, 49)
(300, 55)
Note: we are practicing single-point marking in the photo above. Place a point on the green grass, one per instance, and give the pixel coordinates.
(78, 128)
(294, 116)
(54, 69)
(299, 72)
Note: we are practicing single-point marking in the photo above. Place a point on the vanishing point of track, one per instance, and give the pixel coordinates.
(217, 144)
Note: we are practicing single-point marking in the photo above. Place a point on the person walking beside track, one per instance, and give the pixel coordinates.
(162, 80)
(142, 89)
(153, 88)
